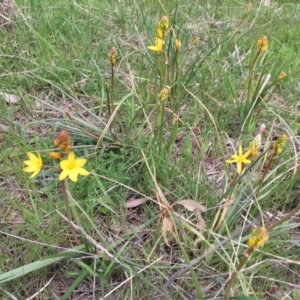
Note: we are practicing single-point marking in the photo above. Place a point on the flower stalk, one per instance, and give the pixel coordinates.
(258, 238)
(113, 59)
(195, 42)
(262, 46)
(160, 113)
(277, 148)
(241, 160)
(67, 205)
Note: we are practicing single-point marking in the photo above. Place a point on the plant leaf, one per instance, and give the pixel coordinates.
(37, 265)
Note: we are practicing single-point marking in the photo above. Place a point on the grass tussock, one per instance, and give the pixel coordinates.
(150, 150)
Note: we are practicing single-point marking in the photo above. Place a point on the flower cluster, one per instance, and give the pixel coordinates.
(258, 238)
(279, 144)
(262, 44)
(162, 27)
(63, 142)
(242, 159)
(70, 167)
(113, 56)
(163, 95)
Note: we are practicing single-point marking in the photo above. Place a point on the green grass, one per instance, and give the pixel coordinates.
(54, 58)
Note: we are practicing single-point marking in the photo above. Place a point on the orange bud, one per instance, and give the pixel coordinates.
(54, 155)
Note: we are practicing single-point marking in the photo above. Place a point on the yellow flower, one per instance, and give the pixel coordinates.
(158, 45)
(72, 167)
(34, 164)
(240, 159)
(262, 44)
(258, 238)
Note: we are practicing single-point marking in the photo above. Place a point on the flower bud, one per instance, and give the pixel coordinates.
(63, 141)
(113, 56)
(281, 75)
(54, 155)
(262, 44)
(177, 44)
(163, 24)
(258, 238)
(248, 8)
(279, 144)
(163, 95)
(254, 146)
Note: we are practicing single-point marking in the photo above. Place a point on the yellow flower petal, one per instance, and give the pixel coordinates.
(158, 45)
(34, 164)
(63, 175)
(80, 162)
(73, 176)
(82, 171)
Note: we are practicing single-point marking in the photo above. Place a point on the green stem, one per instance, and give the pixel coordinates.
(166, 63)
(107, 99)
(172, 79)
(187, 56)
(266, 170)
(250, 75)
(112, 108)
(160, 122)
(66, 199)
(236, 31)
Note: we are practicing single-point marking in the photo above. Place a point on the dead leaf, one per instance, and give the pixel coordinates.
(167, 226)
(11, 99)
(201, 225)
(191, 205)
(130, 203)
